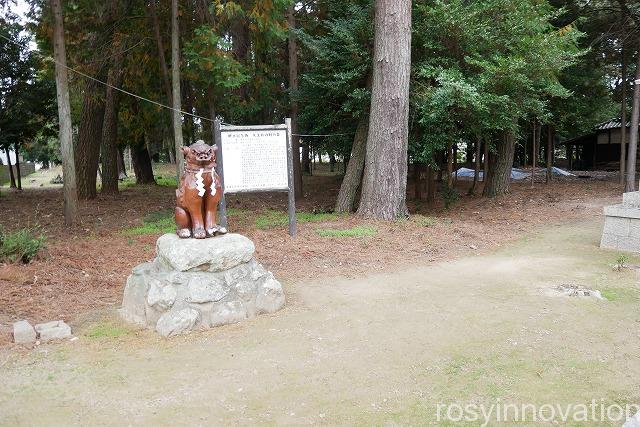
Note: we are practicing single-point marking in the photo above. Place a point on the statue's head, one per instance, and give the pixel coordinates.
(200, 154)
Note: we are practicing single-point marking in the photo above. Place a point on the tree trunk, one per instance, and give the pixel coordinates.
(163, 67)
(293, 87)
(534, 151)
(306, 163)
(332, 161)
(12, 177)
(623, 102)
(485, 160)
(476, 169)
(18, 174)
(122, 169)
(189, 126)
(420, 182)
(500, 163)
(431, 186)
(109, 148)
(353, 176)
(142, 164)
(70, 193)
(630, 185)
(623, 114)
(384, 189)
(240, 44)
(211, 102)
(550, 153)
(450, 167)
(87, 149)
(175, 78)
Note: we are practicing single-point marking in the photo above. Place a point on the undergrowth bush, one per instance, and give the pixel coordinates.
(449, 196)
(22, 245)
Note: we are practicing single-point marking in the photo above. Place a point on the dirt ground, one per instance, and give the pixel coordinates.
(84, 268)
(381, 349)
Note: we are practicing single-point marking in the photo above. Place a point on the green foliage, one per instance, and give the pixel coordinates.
(334, 89)
(449, 196)
(22, 245)
(26, 95)
(358, 231)
(621, 262)
(210, 60)
(482, 66)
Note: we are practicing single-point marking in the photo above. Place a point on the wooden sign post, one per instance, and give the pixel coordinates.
(254, 159)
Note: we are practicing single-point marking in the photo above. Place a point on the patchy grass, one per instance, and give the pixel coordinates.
(126, 183)
(167, 181)
(358, 231)
(271, 218)
(163, 222)
(154, 223)
(425, 221)
(107, 330)
(621, 294)
(22, 245)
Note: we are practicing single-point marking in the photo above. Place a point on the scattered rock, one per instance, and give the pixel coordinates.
(57, 180)
(23, 333)
(577, 291)
(53, 330)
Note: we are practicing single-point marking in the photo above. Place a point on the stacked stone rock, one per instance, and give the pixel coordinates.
(622, 224)
(24, 333)
(200, 283)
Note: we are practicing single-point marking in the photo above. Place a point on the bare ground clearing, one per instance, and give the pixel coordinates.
(85, 268)
(377, 350)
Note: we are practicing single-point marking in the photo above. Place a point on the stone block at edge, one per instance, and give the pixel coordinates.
(617, 226)
(135, 295)
(609, 241)
(270, 296)
(212, 254)
(55, 330)
(622, 211)
(631, 199)
(23, 333)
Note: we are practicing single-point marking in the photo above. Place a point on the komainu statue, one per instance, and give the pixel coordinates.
(198, 193)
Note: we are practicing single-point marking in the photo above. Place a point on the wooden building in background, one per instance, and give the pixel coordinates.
(599, 150)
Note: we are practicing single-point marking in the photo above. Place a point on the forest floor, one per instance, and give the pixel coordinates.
(385, 348)
(83, 269)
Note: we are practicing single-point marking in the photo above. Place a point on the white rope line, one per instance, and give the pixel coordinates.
(111, 86)
(322, 136)
(151, 100)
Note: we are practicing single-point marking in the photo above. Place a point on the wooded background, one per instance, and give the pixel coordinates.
(393, 83)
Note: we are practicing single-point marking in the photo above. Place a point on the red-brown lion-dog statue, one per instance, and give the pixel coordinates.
(198, 193)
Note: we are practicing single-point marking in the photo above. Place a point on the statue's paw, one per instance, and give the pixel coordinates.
(222, 230)
(212, 231)
(184, 233)
(199, 233)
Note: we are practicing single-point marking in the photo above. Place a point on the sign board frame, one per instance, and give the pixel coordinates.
(219, 128)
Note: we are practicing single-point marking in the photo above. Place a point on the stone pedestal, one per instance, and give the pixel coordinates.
(622, 224)
(198, 284)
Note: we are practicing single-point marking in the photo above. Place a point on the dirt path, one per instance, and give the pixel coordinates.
(381, 350)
